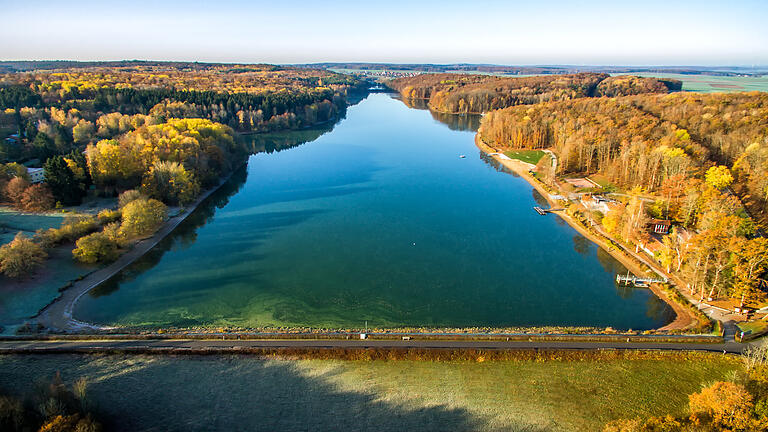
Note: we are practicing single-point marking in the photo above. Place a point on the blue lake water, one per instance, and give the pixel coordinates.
(377, 219)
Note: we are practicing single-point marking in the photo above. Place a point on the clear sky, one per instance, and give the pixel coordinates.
(670, 32)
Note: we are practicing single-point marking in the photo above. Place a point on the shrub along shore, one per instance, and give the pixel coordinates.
(687, 320)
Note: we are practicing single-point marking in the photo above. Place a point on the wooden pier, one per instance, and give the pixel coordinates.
(543, 212)
(638, 281)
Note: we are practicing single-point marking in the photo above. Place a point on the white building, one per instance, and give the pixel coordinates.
(36, 175)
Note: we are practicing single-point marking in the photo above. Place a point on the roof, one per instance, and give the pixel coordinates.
(660, 222)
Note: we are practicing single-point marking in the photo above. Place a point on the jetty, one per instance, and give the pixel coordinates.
(543, 212)
(638, 281)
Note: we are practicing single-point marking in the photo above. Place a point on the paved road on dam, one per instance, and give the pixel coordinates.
(235, 345)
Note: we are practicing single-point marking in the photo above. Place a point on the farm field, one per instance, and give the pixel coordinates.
(250, 393)
(713, 84)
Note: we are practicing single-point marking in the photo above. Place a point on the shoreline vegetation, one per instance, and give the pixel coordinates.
(685, 318)
(57, 315)
(449, 92)
(640, 157)
(163, 132)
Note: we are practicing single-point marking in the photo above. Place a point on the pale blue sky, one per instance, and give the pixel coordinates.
(670, 32)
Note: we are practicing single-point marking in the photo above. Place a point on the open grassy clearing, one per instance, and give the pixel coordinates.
(12, 221)
(529, 156)
(248, 393)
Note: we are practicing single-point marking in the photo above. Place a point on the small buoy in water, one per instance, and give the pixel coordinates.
(462, 156)
(414, 244)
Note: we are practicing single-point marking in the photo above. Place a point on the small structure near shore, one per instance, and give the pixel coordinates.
(637, 281)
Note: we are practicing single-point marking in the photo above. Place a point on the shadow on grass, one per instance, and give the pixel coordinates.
(248, 394)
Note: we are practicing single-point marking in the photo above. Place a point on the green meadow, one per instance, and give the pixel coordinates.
(131, 393)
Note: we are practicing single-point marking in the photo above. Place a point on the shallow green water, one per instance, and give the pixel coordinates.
(378, 220)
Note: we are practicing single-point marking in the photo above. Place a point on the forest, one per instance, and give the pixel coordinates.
(698, 160)
(463, 93)
(157, 135)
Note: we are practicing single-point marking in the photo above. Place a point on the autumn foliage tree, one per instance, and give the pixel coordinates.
(723, 404)
(142, 216)
(21, 256)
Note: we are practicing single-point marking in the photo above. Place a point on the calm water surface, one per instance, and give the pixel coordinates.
(378, 219)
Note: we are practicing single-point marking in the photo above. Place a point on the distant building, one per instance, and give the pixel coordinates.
(36, 175)
(659, 226)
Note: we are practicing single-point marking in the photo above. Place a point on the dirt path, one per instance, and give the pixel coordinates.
(684, 318)
(57, 316)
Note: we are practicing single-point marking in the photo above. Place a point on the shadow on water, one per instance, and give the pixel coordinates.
(247, 394)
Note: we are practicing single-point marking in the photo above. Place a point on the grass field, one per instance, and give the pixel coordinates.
(13, 221)
(712, 84)
(529, 156)
(143, 393)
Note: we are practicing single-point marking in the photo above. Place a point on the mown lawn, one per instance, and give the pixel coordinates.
(142, 393)
(529, 156)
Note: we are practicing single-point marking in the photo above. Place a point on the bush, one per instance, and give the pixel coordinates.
(70, 231)
(71, 423)
(37, 198)
(106, 216)
(96, 247)
(21, 256)
(129, 196)
(142, 216)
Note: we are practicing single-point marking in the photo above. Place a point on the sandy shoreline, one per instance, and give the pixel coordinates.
(683, 319)
(57, 316)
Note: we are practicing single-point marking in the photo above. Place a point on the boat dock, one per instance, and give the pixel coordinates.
(638, 281)
(543, 212)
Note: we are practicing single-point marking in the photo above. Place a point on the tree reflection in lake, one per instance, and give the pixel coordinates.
(582, 245)
(457, 122)
(182, 237)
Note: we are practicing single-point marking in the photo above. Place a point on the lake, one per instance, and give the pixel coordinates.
(375, 219)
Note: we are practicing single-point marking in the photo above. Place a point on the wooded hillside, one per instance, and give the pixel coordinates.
(461, 93)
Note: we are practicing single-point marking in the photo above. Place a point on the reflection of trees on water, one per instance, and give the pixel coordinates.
(185, 234)
(582, 245)
(539, 198)
(182, 237)
(457, 122)
(281, 140)
(493, 163)
(609, 263)
(656, 308)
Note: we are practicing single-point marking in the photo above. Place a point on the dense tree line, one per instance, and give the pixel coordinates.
(686, 174)
(17, 96)
(60, 111)
(460, 93)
